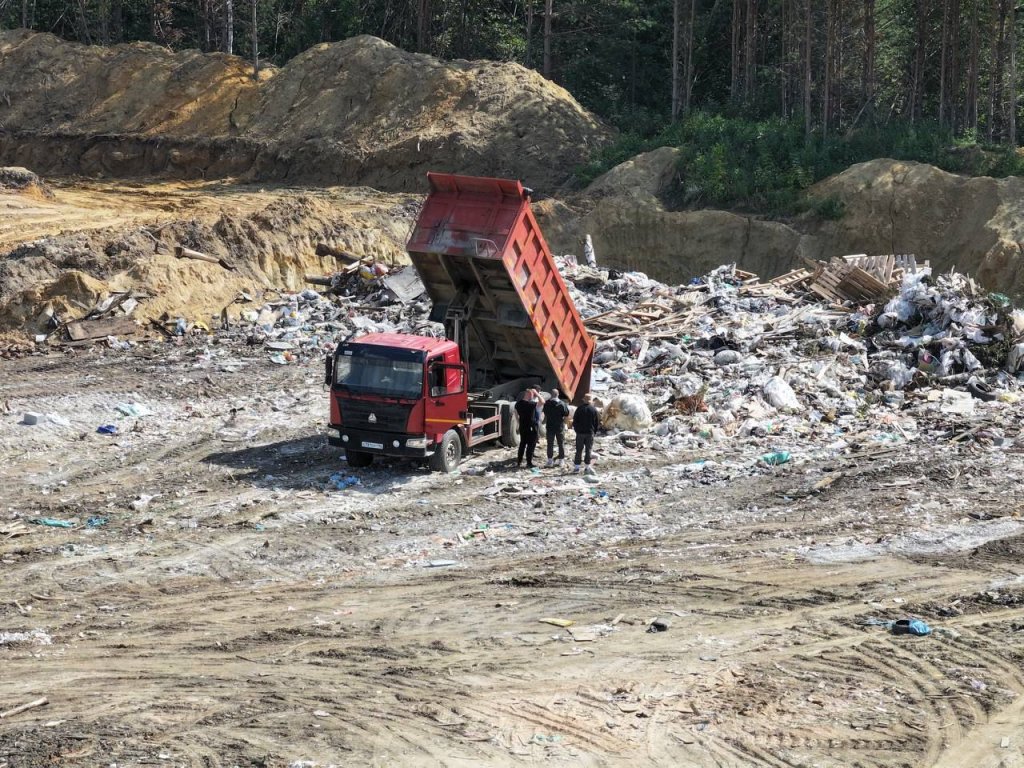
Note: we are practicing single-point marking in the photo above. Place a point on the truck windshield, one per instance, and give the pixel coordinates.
(372, 375)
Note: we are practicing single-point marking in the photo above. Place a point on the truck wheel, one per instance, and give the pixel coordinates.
(358, 459)
(509, 429)
(448, 454)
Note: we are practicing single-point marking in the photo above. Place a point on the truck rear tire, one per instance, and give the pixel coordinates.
(358, 459)
(509, 429)
(448, 454)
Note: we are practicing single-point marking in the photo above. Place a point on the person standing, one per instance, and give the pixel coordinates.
(529, 421)
(555, 413)
(585, 421)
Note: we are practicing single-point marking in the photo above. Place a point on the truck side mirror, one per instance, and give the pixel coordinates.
(328, 369)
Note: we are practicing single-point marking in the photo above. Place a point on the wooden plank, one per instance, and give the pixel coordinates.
(99, 329)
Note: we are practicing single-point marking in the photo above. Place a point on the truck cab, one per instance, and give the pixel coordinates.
(396, 394)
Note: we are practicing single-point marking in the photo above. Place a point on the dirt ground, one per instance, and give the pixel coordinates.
(252, 614)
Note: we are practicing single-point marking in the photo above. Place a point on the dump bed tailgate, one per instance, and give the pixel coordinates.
(478, 237)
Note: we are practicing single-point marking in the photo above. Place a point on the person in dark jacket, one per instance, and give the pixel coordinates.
(528, 412)
(585, 421)
(556, 411)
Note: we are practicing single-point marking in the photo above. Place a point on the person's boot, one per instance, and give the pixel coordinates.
(589, 470)
(549, 463)
(576, 469)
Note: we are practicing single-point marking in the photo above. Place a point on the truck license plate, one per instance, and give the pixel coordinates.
(378, 446)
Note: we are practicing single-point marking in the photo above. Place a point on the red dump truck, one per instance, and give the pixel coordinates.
(509, 323)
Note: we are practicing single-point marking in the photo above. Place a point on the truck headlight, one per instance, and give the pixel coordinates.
(332, 432)
(416, 442)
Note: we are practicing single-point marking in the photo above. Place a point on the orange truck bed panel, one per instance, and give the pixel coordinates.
(479, 235)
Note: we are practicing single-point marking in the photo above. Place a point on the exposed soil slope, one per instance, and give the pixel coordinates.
(889, 206)
(973, 224)
(355, 112)
(64, 254)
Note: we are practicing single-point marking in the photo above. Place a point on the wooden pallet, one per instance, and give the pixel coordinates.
(880, 267)
(840, 281)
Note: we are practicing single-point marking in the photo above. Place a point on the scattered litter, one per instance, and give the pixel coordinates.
(141, 502)
(659, 625)
(33, 637)
(441, 563)
(107, 429)
(133, 409)
(30, 418)
(558, 622)
(53, 522)
(901, 626)
(97, 522)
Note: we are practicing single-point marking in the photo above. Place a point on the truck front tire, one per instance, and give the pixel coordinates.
(448, 454)
(358, 459)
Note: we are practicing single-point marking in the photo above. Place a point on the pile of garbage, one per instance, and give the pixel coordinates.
(727, 347)
(728, 356)
(857, 351)
(293, 327)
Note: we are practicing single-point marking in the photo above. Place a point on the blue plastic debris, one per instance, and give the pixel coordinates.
(776, 458)
(910, 627)
(97, 522)
(53, 522)
(341, 482)
(107, 429)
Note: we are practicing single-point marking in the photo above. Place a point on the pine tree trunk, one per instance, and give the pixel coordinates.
(750, 58)
(837, 68)
(688, 71)
(423, 26)
(783, 60)
(1012, 43)
(944, 62)
(229, 26)
(116, 21)
(995, 77)
(676, 12)
(971, 106)
(529, 33)
(807, 70)
(255, 44)
(547, 37)
(737, 29)
(868, 72)
(24, 14)
(826, 91)
(954, 64)
(920, 18)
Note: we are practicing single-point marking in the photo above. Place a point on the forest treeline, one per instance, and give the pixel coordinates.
(924, 78)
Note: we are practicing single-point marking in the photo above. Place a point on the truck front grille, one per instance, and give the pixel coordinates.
(388, 417)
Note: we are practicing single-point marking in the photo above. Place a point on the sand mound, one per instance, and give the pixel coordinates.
(23, 181)
(356, 112)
